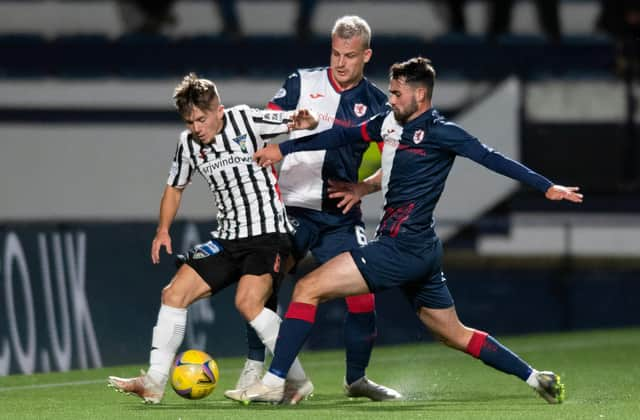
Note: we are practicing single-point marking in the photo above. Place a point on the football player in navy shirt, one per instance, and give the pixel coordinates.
(419, 149)
(339, 95)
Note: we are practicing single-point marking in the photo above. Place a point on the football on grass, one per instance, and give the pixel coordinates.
(194, 374)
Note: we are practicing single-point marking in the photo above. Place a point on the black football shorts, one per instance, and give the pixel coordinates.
(222, 262)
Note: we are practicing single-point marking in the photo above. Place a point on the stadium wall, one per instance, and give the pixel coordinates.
(84, 295)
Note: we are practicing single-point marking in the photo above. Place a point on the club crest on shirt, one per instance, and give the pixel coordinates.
(418, 136)
(242, 142)
(360, 109)
(280, 93)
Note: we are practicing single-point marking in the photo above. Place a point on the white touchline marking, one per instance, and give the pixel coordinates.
(53, 385)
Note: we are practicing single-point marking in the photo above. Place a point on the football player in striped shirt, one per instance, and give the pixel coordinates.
(341, 96)
(420, 148)
(251, 242)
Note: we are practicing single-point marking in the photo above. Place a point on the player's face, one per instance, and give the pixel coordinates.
(348, 57)
(402, 98)
(205, 123)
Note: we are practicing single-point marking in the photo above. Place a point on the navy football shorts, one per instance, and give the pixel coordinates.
(324, 234)
(222, 262)
(416, 269)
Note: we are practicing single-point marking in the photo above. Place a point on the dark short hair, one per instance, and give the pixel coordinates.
(194, 92)
(417, 70)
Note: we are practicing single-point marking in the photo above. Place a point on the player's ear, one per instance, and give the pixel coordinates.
(421, 94)
(220, 111)
(367, 54)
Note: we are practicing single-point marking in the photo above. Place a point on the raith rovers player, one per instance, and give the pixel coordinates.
(252, 237)
(420, 148)
(341, 96)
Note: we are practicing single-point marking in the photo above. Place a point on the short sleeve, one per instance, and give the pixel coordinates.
(181, 169)
(287, 97)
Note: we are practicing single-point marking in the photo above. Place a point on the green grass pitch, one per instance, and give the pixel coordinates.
(601, 371)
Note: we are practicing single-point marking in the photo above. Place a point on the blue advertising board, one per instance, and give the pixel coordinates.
(84, 295)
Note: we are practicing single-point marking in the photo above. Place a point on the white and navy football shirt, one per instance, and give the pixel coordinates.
(246, 195)
(304, 175)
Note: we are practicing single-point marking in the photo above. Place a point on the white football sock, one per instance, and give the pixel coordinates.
(532, 380)
(272, 380)
(267, 325)
(167, 337)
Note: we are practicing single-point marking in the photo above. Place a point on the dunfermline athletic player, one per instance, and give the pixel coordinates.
(252, 237)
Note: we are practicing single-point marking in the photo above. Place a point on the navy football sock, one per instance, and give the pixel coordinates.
(256, 348)
(294, 331)
(494, 354)
(359, 335)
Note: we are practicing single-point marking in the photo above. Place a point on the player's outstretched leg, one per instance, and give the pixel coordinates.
(493, 353)
(446, 325)
(359, 336)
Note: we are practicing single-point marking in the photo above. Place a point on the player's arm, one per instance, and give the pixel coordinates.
(330, 139)
(350, 193)
(179, 177)
(334, 138)
(169, 205)
(471, 148)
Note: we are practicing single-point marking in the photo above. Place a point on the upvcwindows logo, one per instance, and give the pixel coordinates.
(208, 168)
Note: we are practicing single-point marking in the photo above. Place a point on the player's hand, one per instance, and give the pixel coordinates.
(161, 239)
(560, 192)
(268, 155)
(303, 119)
(349, 193)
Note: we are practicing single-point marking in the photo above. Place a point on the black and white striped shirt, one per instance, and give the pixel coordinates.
(247, 196)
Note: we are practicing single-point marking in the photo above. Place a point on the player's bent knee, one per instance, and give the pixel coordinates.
(185, 288)
(248, 308)
(171, 297)
(248, 303)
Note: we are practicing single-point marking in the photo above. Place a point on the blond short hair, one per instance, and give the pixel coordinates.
(348, 27)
